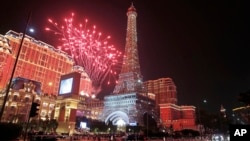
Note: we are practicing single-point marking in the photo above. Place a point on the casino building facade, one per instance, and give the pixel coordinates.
(37, 61)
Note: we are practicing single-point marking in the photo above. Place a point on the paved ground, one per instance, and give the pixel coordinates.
(120, 139)
(149, 140)
(168, 139)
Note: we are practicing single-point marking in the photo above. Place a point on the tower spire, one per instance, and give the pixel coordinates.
(130, 78)
(132, 4)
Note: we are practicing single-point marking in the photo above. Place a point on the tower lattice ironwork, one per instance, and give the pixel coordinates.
(130, 78)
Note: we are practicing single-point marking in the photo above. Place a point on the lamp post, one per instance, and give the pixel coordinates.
(200, 121)
(14, 68)
(147, 94)
(147, 125)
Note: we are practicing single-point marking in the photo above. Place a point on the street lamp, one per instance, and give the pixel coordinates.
(201, 126)
(14, 68)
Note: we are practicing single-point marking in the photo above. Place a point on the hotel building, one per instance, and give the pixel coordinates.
(171, 114)
(37, 62)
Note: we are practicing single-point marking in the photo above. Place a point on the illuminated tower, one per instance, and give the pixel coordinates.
(129, 104)
(130, 78)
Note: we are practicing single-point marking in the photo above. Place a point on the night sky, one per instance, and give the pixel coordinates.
(201, 45)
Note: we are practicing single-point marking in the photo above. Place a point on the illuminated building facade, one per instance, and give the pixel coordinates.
(37, 61)
(18, 106)
(94, 108)
(129, 102)
(47, 106)
(75, 106)
(19, 102)
(69, 101)
(179, 117)
(65, 113)
(5, 60)
(85, 82)
(164, 90)
(42, 63)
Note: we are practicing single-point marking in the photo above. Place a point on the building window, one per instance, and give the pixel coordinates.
(15, 98)
(26, 99)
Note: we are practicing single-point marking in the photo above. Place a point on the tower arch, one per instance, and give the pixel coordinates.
(115, 116)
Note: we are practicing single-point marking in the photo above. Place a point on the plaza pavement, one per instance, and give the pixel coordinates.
(119, 139)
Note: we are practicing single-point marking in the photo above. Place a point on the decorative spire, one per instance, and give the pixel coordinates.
(132, 8)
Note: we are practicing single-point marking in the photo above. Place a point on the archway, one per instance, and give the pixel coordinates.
(119, 119)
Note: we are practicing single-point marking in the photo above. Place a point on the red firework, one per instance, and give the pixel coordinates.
(88, 49)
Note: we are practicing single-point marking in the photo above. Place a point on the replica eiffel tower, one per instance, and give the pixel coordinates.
(129, 103)
(130, 78)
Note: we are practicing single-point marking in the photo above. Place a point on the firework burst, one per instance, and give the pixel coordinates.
(88, 49)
